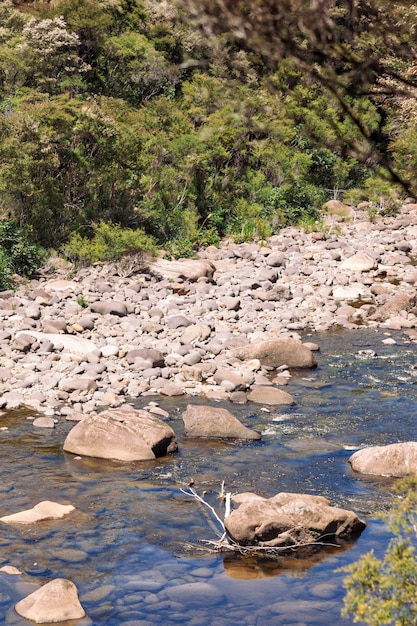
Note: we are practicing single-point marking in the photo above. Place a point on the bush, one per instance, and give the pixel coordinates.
(109, 242)
(5, 271)
(17, 254)
(384, 591)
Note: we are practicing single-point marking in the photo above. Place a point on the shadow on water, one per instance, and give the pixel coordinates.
(133, 545)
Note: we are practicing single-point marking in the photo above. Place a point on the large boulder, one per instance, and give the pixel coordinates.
(57, 601)
(278, 352)
(207, 421)
(69, 343)
(397, 459)
(290, 520)
(123, 434)
(187, 269)
(394, 304)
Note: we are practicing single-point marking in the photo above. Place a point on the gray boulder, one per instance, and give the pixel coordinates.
(207, 421)
(290, 520)
(57, 601)
(397, 459)
(278, 352)
(124, 434)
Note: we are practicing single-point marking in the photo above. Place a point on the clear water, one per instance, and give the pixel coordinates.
(133, 545)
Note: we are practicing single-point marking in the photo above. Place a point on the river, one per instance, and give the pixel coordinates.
(134, 544)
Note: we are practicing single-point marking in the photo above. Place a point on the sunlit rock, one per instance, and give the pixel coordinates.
(42, 511)
(124, 434)
(278, 352)
(290, 520)
(397, 459)
(207, 421)
(56, 601)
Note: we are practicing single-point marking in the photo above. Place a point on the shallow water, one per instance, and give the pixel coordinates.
(133, 545)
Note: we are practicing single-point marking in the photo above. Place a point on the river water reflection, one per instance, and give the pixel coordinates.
(133, 547)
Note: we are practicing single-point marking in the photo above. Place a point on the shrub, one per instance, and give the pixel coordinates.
(17, 254)
(5, 271)
(384, 591)
(109, 242)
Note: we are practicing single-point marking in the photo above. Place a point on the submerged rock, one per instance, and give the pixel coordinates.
(206, 421)
(397, 459)
(123, 434)
(56, 601)
(290, 520)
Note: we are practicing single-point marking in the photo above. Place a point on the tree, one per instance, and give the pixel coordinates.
(356, 50)
(384, 591)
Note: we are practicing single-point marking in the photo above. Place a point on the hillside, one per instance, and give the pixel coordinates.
(159, 118)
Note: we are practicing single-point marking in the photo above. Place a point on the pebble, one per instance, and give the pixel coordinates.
(167, 334)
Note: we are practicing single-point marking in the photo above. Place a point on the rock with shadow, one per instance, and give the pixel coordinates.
(396, 459)
(212, 422)
(123, 434)
(289, 521)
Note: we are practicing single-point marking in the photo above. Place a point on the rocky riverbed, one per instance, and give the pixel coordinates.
(72, 342)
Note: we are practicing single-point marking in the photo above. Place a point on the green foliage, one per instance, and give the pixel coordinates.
(82, 302)
(6, 270)
(109, 242)
(119, 111)
(384, 591)
(381, 196)
(17, 254)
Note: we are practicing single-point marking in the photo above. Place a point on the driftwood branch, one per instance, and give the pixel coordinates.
(225, 543)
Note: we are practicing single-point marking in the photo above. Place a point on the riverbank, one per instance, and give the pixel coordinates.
(74, 341)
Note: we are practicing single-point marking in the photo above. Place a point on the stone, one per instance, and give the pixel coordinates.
(289, 520)
(262, 394)
(187, 269)
(195, 332)
(396, 459)
(360, 262)
(239, 380)
(42, 511)
(70, 343)
(57, 601)
(178, 321)
(78, 383)
(12, 400)
(109, 307)
(197, 595)
(155, 357)
(23, 342)
(207, 421)
(171, 390)
(10, 570)
(278, 352)
(352, 292)
(394, 304)
(44, 422)
(60, 285)
(123, 434)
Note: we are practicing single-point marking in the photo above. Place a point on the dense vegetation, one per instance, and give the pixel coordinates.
(128, 112)
(383, 591)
